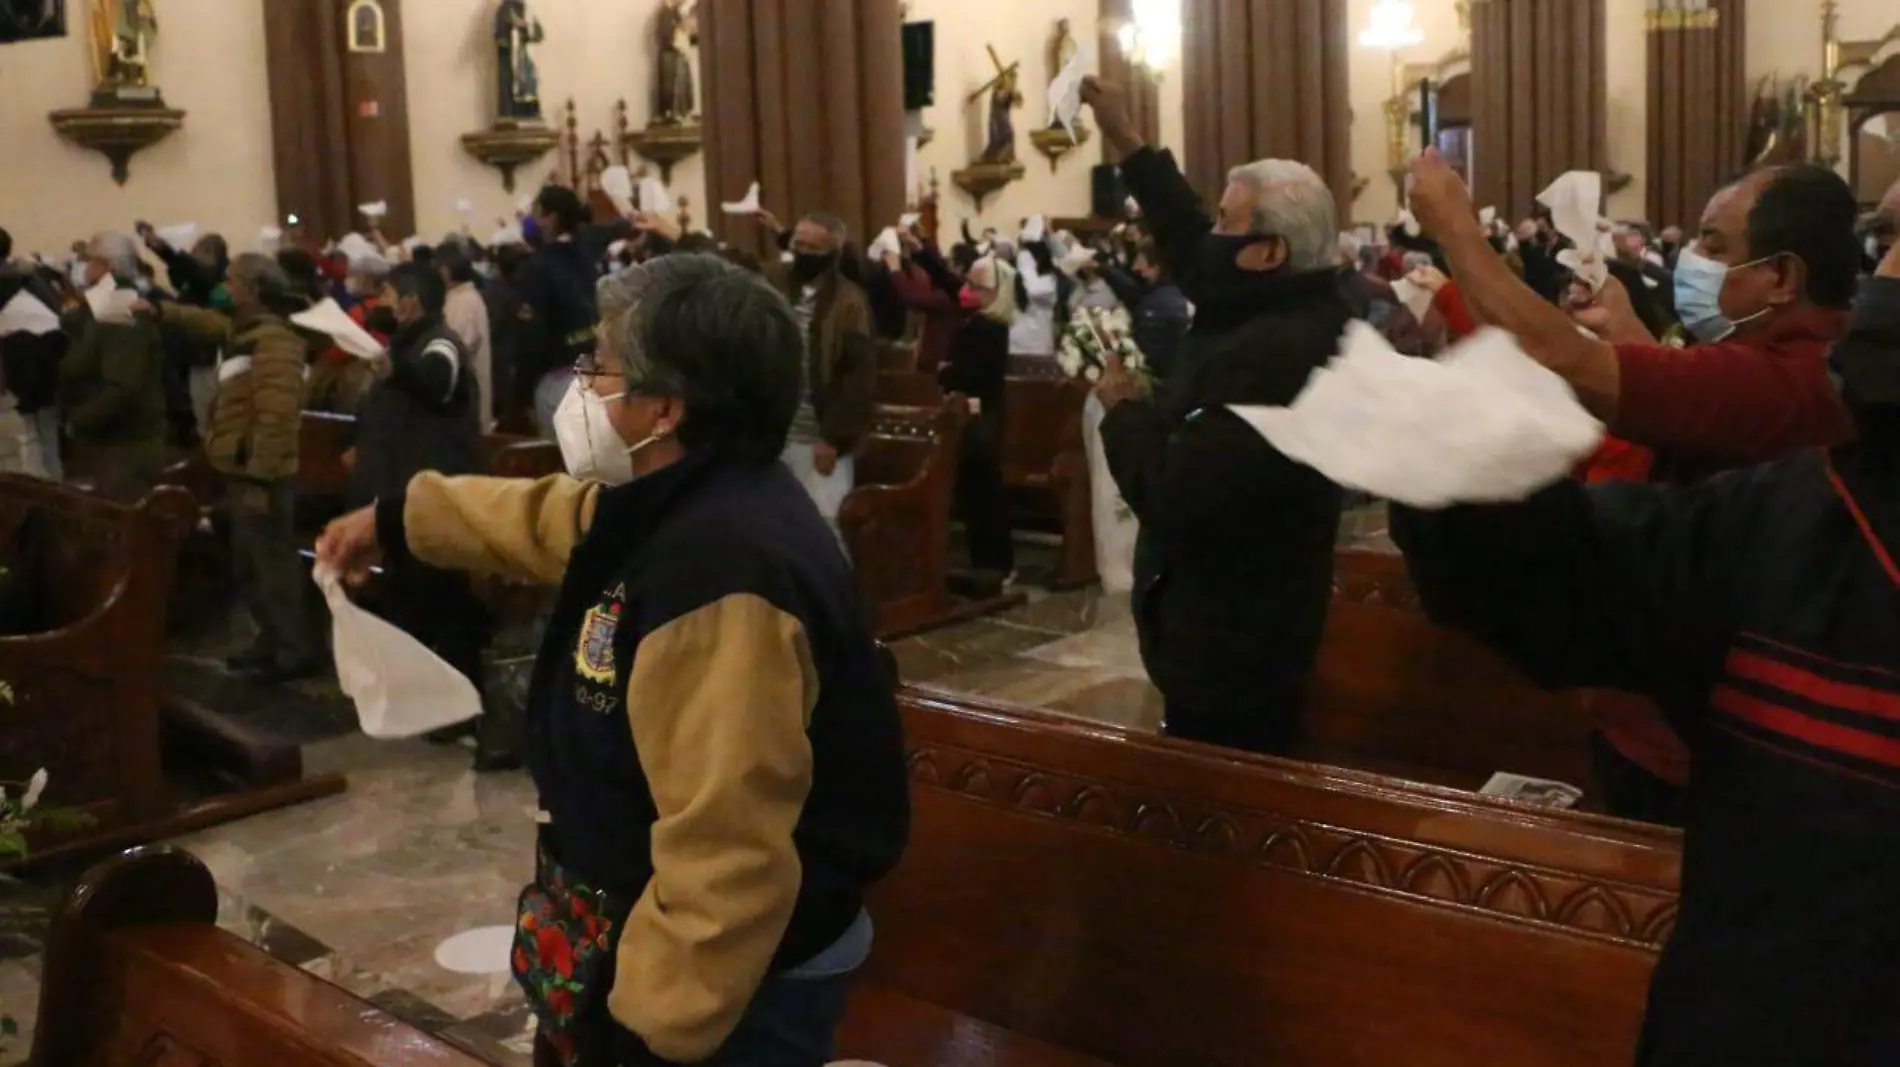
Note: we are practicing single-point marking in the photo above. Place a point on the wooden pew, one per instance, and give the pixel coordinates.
(85, 671)
(1391, 692)
(1143, 901)
(896, 523)
(909, 388)
(1047, 471)
(138, 974)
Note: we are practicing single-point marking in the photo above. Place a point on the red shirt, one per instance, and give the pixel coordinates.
(943, 315)
(1449, 302)
(1735, 403)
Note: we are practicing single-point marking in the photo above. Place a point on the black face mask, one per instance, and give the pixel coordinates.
(383, 320)
(1216, 283)
(808, 266)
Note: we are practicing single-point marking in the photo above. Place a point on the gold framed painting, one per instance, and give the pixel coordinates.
(367, 26)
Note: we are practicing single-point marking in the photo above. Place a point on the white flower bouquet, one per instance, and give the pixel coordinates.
(1092, 336)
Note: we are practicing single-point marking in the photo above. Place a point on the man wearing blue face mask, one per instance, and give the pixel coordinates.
(1764, 288)
(1760, 608)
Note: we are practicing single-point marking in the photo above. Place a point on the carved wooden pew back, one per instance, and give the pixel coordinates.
(89, 581)
(1392, 692)
(1145, 901)
(896, 523)
(138, 974)
(1047, 470)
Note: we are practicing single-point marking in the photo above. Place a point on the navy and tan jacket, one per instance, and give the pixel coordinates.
(712, 730)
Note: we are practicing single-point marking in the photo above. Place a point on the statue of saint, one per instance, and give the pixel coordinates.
(121, 32)
(1061, 51)
(515, 31)
(678, 30)
(1004, 97)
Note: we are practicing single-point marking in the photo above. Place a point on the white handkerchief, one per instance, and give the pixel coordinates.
(374, 210)
(908, 219)
(508, 235)
(1408, 222)
(399, 687)
(747, 206)
(109, 303)
(355, 247)
(1034, 229)
(1416, 298)
(329, 318)
(1078, 258)
(1483, 424)
(1575, 202)
(654, 196)
(886, 244)
(1487, 217)
(181, 236)
(617, 183)
(26, 313)
(525, 205)
(1065, 93)
(464, 206)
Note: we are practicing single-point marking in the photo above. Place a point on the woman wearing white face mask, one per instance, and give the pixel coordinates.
(706, 687)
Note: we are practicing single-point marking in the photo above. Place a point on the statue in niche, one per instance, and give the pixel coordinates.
(1061, 51)
(678, 30)
(1004, 96)
(516, 31)
(122, 30)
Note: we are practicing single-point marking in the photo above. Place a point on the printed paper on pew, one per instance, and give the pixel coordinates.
(26, 313)
(1485, 423)
(330, 319)
(111, 304)
(1540, 792)
(1065, 93)
(747, 206)
(399, 687)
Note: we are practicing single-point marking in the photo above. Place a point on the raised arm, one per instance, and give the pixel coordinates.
(511, 528)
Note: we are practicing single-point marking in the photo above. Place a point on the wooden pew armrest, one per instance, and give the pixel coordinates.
(884, 1026)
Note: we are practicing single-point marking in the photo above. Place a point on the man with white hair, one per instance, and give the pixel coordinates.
(111, 384)
(1234, 566)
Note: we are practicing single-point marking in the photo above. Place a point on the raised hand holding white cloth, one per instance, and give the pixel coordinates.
(617, 183)
(1485, 423)
(748, 206)
(1575, 202)
(399, 687)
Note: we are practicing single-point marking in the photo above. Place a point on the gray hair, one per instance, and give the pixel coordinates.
(697, 328)
(1417, 261)
(1294, 205)
(120, 252)
(832, 225)
(260, 275)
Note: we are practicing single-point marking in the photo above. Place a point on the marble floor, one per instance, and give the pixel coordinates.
(362, 888)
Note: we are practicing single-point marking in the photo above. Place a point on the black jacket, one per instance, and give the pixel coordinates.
(1234, 565)
(1161, 313)
(29, 363)
(1761, 609)
(425, 416)
(554, 322)
(978, 365)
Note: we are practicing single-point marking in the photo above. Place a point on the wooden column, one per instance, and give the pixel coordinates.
(1538, 96)
(1144, 93)
(339, 114)
(1698, 112)
(805, 97)
(1267, 78)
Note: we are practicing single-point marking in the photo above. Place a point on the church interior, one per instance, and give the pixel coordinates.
(1141, 820)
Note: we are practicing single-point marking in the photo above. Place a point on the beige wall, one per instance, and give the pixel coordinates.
(216, 171)
(597, 53)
